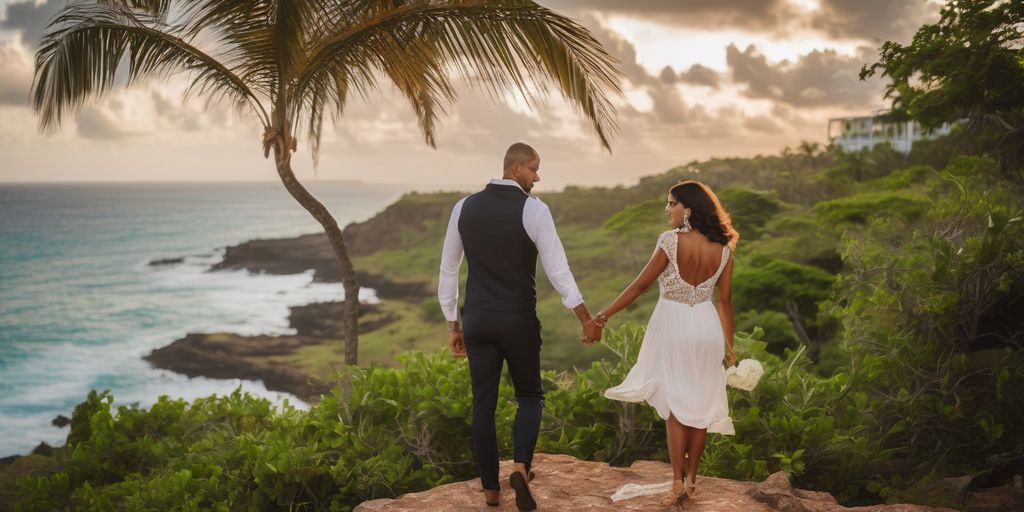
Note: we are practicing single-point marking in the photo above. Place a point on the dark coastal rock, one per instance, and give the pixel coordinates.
(413, 213)
(167, 261)
(266, 358)
(566, 483)
(61, 421)
(231, 356)
(281, 256)
(43, 449)
(326, 319)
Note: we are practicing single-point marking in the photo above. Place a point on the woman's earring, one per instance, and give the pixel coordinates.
(685, 226)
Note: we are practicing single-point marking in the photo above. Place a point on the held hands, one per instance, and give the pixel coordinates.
(591, 332)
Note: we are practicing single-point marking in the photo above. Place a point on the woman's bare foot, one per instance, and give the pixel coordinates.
(677, 495)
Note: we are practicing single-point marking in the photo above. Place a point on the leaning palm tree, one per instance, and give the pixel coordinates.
(290, 63)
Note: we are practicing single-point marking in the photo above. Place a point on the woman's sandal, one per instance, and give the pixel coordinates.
(690, 488)
(678, 493)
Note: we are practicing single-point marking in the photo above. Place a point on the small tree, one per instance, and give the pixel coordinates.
(291, 63)
(968, 65)
(790, 288)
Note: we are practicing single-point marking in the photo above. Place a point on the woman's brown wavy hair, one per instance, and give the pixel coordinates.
(706, 212)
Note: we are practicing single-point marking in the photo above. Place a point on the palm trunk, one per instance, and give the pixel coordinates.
(348, 272)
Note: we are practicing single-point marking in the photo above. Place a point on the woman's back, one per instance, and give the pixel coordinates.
(698, 258)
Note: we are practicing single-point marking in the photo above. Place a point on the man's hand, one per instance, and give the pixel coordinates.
(456, 342)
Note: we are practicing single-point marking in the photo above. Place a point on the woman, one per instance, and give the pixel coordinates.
(679, 369)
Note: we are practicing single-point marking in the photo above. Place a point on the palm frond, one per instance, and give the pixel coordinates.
(499, 45)
(80, 56)
(156, 8)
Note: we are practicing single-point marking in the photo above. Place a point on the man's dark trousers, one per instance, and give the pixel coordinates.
(492, 338)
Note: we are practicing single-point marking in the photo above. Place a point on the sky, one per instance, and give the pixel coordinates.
(702, 79)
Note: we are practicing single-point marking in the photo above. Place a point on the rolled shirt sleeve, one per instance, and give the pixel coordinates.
(451, 260)
(540, 227)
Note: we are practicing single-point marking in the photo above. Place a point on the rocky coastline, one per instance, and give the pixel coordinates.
(271, 358)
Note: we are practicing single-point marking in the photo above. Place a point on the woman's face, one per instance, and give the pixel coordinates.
(675, 211)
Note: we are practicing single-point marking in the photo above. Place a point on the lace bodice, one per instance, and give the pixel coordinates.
(672, 285)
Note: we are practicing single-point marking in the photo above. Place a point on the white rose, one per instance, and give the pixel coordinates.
(744, 375)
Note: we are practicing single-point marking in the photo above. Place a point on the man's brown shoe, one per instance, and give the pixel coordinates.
(492, 498)
(524, 500)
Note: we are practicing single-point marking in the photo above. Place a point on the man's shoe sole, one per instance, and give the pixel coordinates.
(524, 500)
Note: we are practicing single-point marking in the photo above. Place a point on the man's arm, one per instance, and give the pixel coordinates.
(540, 226)
(448, 281)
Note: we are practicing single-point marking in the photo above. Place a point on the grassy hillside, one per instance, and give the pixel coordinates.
(787, 208)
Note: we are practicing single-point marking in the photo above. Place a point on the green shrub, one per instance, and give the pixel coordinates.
(749, 209)
(935, 322)
(860, 208)
(386, 431)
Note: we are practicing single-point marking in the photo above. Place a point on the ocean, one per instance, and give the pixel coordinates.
(80, 305)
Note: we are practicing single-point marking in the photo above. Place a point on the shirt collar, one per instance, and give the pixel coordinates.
(506, 182)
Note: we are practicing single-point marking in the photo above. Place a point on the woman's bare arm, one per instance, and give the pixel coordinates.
(724, 306)
(643, 281)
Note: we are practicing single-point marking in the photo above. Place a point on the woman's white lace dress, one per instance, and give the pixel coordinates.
(679, 368)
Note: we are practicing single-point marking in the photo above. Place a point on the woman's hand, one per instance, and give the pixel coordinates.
(730, 357)
(591, 332)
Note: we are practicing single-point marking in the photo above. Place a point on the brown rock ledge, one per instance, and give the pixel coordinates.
(310, 252)
(266, 358)
(232, 356)
(565, 483)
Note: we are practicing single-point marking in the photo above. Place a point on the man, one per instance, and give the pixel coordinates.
(502, 230)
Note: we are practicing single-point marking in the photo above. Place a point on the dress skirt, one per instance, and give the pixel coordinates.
(679, 369)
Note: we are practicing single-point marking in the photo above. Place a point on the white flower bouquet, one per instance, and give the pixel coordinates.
(744, 375)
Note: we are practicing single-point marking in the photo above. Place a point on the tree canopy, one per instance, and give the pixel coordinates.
(970, 64)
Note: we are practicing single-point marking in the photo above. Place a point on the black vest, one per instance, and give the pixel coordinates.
(502, 258)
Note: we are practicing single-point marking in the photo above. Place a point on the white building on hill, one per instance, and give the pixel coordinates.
(857, 133)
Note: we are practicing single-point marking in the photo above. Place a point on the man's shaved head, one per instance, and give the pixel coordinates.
(519, 153)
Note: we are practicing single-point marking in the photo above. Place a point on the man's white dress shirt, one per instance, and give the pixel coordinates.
(539, 226)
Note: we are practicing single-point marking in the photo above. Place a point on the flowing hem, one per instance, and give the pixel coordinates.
(722, 425)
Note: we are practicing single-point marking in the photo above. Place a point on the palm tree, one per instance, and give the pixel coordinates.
(291, 62)
(810, 151)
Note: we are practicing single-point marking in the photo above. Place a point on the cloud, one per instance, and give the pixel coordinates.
(819, 78)
(762, 123)
(700, 75)
(31, 18)
(621, 50)
(874, 20)
(104, 122)
(670, 108)
(762, 15)
(15, 73)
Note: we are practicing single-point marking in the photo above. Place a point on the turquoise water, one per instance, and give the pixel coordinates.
(80, 306)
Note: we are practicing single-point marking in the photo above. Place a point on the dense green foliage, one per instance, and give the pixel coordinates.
(386, 431)
(932, 310)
